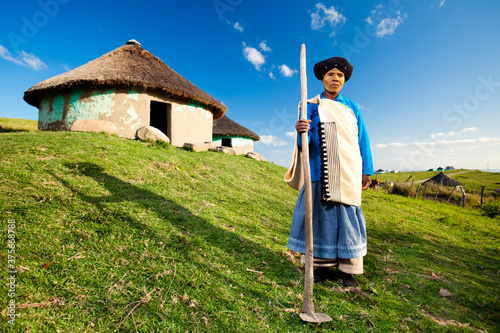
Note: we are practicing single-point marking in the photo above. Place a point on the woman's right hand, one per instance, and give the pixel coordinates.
(302, 126)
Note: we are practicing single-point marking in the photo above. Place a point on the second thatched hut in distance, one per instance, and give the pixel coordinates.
(228, 133)
(443, 179)
(130, 88)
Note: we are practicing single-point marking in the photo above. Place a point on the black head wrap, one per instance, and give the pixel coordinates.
(323, 67)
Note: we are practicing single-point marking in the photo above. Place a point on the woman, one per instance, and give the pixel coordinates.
(339, 228)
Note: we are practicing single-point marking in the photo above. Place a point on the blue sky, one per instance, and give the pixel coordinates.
(426, 72)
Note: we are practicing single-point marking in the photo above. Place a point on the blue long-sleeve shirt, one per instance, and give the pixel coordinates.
(314, 150)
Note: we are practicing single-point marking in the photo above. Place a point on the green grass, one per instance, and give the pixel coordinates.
(473, 181)
(116, 235)
(415, 175)
(17, 125)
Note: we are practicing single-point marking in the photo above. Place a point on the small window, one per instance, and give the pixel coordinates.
(226, 142)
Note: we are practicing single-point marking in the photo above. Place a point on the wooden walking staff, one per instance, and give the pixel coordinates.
(308, 308)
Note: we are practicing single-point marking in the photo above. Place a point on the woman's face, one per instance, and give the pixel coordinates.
(333, 81)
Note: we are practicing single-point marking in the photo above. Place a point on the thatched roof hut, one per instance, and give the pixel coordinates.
(228, 133)
(130, 71)
(443, 179)
(129, 66)
(225, 126)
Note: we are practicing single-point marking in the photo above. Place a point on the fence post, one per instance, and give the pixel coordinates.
(454, 187)
(435, 197)
(418, 188)
(482, 194)
(425, 191)
(463, 197)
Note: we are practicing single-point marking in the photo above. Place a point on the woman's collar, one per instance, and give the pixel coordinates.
(338, 98)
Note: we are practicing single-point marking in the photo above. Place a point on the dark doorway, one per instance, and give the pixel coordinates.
(160, 117)
(226, 143)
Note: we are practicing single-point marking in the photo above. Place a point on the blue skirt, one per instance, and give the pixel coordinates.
(339, 231)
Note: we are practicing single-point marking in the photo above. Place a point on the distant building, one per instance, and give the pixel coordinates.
(430, 170)
(393, 171)
(379, 171)
(450, 168)
(439, 169)
(228, 133)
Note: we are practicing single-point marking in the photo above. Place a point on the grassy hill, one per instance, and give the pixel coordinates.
(407, 183)
(472, 179)
(119, 235)
(17, 125)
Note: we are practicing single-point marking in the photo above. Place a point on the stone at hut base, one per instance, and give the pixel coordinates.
(256, 156)
(93, 125)
(196, 147)
(151, 134)
(225, 150)
(211, 144)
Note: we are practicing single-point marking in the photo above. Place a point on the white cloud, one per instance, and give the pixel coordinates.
(441, 3)
(238, 27)
(291, 135)
(263, 46)
(324, 15)
(32, 61)
(489, 140)
(23, 58)
(286, 71)
(4, 53)
(364, 108)
(271, 74)
(390, 145)
(453, 133)
(441, 145)
(387, 25)
(254, 56)
(441, 135)
(420, 155)
(271, 140)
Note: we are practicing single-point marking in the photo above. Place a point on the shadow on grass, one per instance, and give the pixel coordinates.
(10, 130)
(244, 252)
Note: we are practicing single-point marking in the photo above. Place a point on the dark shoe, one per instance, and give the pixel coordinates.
(348, 280)
(320, 274)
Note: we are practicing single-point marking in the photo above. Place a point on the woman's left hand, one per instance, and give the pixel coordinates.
(366, 181)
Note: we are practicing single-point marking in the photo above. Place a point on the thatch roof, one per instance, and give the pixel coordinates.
(443, 179)
(129, 66)
(227, 127)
